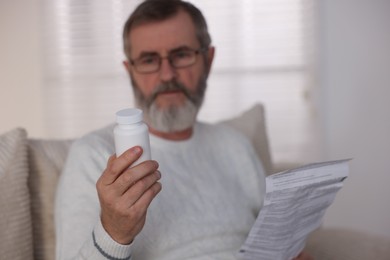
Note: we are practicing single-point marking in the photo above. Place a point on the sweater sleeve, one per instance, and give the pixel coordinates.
(79, 232)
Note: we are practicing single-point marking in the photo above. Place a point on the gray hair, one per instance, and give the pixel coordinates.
(159, 10)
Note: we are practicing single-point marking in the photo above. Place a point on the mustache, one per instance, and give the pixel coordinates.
(170, 86)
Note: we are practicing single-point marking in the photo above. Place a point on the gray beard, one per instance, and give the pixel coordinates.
(174, 118)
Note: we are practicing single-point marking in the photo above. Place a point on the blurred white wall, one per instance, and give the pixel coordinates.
(355, 101)
(353, 97)
(21, 98)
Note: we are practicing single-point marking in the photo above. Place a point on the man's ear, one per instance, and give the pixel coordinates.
(210, 58)
(127, 66)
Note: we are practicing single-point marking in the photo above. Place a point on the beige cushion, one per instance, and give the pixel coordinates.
(252, 124)
(15, 217)
(345, 244)
(47, 158)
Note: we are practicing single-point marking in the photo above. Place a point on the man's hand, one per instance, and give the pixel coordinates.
(126, 193)
(303, 256)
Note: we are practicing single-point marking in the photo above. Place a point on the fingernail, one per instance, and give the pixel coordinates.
(136, 149)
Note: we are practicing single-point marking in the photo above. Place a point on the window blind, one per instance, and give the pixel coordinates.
(264, 53)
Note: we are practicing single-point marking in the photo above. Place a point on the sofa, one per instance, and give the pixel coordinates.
(30, 168)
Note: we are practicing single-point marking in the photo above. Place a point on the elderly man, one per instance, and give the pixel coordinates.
(213, 182)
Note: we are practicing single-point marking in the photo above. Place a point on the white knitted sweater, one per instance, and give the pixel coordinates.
(213, 187)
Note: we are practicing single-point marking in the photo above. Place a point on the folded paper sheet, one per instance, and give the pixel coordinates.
(294, 206)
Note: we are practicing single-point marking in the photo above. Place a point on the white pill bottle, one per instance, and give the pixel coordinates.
(131, 131)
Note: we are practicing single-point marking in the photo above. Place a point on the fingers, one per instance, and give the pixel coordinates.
(116, 165)
(149, 195)
(132, 176)
(142, 186)
(142, 204)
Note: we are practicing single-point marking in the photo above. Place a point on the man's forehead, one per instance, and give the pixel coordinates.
(163, 36)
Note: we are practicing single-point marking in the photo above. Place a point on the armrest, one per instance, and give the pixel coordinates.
(347, 244)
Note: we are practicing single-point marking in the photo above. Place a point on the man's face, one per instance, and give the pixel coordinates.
(170, 97)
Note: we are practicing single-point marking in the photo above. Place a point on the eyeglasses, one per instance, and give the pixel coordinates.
(177, 59)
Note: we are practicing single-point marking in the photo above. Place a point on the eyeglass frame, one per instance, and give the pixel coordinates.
(196, 52)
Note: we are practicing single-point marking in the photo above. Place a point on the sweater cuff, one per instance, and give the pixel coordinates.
(108, 247)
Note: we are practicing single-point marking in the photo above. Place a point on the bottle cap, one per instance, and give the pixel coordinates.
(129, 116)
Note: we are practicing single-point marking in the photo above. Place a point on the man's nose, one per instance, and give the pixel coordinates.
(167, 72)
